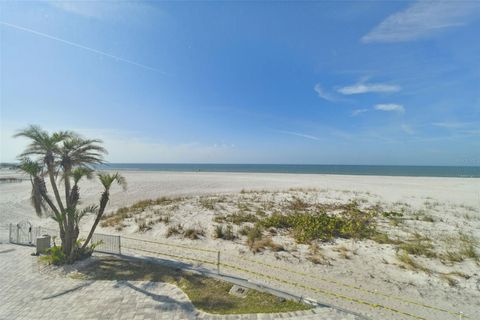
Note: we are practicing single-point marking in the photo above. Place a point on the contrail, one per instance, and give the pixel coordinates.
(73, 44)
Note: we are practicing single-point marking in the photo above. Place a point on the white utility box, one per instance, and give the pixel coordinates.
(43, 243)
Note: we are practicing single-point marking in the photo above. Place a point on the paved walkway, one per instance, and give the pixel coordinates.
(26, 293)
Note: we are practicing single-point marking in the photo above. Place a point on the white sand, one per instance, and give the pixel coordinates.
(453, 203)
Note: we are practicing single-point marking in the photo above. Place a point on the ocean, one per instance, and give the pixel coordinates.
(376, 170)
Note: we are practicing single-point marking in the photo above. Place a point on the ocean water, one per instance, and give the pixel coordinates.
(411, 171)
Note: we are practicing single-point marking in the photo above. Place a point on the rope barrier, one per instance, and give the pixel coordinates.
(171, 244)
(355, 287)
(326, 292)
(305, 275)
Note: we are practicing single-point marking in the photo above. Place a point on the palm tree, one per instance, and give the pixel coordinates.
(67, 155)
(78, 152)
(107, 180)
(46, 146)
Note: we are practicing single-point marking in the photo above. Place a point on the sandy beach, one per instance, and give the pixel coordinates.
(434, 210)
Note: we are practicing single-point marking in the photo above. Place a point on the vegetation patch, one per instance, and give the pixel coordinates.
(193, 233)
(207, 294)
(459, 248)
(237, 218)
(410, 263)
(419, 246)
(350, 222)
(226, 233)
(123, 213)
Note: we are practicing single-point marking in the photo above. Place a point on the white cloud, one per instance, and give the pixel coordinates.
(322, 93)
(356, 112)
(84, 8)
(450, 125)
(128, 147)
(421, 19)
(368, 87)
(124, 11)
(298, 134)
(407, 129)
(390, 107)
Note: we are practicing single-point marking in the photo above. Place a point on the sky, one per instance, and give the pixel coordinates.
(314, 82)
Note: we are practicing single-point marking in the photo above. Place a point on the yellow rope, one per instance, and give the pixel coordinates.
(340, 296)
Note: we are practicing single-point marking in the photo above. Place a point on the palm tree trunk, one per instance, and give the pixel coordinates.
(103, 204)
(64, 237)
(51, 175)
(70, 238)
(67, 187)
(55, 212)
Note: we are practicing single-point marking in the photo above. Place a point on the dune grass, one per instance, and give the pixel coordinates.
(207, 294)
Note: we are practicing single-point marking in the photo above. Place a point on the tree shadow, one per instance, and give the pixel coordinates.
(6, 251)
(185, 306)
(83, 285)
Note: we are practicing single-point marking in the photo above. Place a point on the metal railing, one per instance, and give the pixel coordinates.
(268, 273)
(13, 233)
(4, 233)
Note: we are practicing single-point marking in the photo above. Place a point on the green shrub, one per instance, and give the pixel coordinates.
(244, 230)
(220, 233)
(193, 233)
(229, 233)
(55, 256)
(392, 214)
(308, 226)
(143, 226)
(297, 204)
(263, 243)
(174, 230)
(419, 247)
(208, 203)
(254, 234)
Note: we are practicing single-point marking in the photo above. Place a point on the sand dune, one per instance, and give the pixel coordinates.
(448, 206)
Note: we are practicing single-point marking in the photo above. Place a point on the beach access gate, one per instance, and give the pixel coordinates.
(24, 233)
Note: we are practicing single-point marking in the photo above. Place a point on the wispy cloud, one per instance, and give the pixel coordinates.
(80, 46)
(87, 9)
(359, 88)
(324, 94)
(124, 11)
(128, 146)
(390, 107)
(357, 112)
(423, 18)
(451, 125)
(299, 134)
(407, 129)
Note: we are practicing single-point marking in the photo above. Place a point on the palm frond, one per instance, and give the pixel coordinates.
(30, 167)
(90, 209)
(107, 179)
(80, 172)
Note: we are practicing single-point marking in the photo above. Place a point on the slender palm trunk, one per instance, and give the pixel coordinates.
(70, 237)
(67, 187)
(103, 204)
(56, 213)
(51, 175)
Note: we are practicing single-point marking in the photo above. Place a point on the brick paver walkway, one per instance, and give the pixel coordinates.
(25, 293)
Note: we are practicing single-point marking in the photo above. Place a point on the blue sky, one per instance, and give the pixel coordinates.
(327, 82)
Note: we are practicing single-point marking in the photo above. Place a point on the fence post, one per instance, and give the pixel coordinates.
(119, 245)
(9, 233)
(218, 262)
